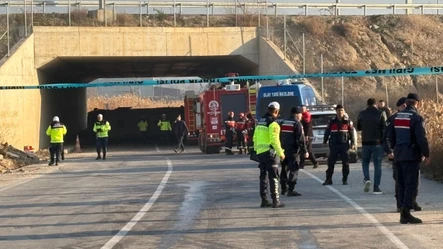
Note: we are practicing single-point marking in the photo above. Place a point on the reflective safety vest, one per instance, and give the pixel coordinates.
(56, 131)
(240, 125)
(142, 125)
(164, 125)
(101, 128)
(267, 136)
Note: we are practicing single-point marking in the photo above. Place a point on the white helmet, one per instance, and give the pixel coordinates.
(274, 105)
(55, 119)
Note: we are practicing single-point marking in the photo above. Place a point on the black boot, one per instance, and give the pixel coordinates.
(265, 203)
(98, 156)
(345, 180)
(328, 181)
(284, 189)
(104, 155)
(240, 151)
(406, 217)
(293, 193)
(277, 203)
(416, 207)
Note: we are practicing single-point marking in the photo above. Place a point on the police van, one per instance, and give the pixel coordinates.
(288, 94)
(320, 116)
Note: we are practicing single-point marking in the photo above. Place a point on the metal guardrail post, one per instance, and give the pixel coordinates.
(140, 14)
(32, 15)
(304, 54)
(236, 14)
(8, 29)
(69, 13)
(267, 20)
(207, 14)
(104, 13)
(26, 23)
(175, 16)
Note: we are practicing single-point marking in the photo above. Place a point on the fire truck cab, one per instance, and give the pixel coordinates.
(210, 109)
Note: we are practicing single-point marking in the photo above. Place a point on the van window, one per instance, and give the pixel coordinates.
(286, 103)
(308, 96)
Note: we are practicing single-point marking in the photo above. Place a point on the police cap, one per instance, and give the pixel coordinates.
(413, 96)
(401, 101)
(296, 110)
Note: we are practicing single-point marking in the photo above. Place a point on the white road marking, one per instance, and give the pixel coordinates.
(397, 242)
(122, 233)
(20, 183)
(157, 149)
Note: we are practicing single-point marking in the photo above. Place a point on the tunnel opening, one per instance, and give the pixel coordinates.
(70, 105)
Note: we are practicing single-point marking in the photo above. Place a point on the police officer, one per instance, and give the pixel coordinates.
(407, 137)
(101, 129)
(165, 129)
(239, 128)
(229, 132)
(401, 105)
(56, 131)
(340, 134)
(269, 152)
(143, 127)
(293, 142)
(250, 127)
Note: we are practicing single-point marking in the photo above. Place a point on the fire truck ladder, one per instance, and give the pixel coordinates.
(252, 100)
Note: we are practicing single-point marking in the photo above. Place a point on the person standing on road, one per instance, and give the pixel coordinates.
(101, 129)
(407, 137)
(309, 136)
(240, 129)
(340, 134)
(269, 152)
(229, 132)
(401, 105)
(165, 129)
(180, 131)
(250, 127)
(293, 143)
(382, 107)
(372, 123)
(56, 131)
(143, 127)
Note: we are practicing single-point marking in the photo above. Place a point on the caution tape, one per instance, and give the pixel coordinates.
(362, 73)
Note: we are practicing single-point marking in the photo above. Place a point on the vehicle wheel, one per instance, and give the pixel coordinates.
(353, 157)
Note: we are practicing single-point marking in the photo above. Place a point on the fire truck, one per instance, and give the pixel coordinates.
(206, 112)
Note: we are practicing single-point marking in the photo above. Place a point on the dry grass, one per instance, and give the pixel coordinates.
(433, 114)
(129, 100)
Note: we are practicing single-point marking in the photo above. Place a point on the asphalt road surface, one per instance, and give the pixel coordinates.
(154, 198)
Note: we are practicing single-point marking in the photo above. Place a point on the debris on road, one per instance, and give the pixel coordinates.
(13, 158)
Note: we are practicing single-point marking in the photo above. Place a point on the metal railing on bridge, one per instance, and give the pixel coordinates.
(17, 16)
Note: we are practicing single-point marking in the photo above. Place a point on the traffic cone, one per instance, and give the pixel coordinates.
(77, 145)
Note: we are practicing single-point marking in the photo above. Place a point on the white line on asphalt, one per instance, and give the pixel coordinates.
(20, 183)
(368, 216)
(157, 149)
(122, 233)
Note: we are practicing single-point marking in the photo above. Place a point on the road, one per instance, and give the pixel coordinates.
(154, 198)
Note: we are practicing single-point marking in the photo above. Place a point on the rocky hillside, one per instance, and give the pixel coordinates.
(372, 42)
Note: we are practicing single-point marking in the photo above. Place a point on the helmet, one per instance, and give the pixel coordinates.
(274, 105)
(55, 119)
(230, 113)
(241, 114)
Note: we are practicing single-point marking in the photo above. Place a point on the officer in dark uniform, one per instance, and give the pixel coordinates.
(230, 131)
(250, 126)
(401, 105)
(240, 127)
(340, 133)
(407, 137)
(292, 138)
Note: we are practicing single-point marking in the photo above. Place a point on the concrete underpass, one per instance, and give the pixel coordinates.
(81, 55)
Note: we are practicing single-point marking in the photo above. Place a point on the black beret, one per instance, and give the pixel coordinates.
(296, 110)
(413, 96)
(401, 101)
(339, 107)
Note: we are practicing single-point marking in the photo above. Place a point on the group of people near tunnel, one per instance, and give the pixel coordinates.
(400, 135)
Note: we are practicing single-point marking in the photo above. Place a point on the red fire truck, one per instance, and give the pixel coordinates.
(206, 113)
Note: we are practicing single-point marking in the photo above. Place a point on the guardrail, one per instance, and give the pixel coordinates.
(28, 8)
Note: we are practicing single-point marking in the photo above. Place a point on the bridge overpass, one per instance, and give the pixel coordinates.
(83, 54)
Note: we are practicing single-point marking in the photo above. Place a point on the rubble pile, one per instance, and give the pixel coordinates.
(12, 158)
